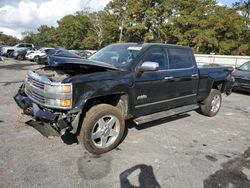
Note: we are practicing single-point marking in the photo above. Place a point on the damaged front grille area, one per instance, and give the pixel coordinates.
(35, 96)
(42, 91)
(34, 82)
(34, 87)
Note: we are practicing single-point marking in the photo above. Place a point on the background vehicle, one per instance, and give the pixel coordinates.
(7, 50)
(83, 53)
(20, 53)
(92, 97)
(35, 55)
(242, 77)
(1, 46)
(58, 52)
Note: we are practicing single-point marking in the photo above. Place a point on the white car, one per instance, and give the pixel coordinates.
(34, 56)
(7, 50)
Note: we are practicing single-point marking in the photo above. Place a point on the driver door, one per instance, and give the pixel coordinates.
(150, 85)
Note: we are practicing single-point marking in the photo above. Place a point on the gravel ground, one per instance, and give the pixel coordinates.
(189, 150)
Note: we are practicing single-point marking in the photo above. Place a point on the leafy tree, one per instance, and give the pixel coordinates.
(7, 39)
(243, 8)
(72, 29)
(201, 24)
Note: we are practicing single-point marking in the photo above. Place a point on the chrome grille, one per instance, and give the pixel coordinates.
(35, 96)
(34, 88)
(35, 83)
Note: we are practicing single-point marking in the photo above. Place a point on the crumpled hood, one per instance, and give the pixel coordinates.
(59, 61)
(241, 74)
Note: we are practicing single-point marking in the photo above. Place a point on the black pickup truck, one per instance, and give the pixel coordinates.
(93, 97)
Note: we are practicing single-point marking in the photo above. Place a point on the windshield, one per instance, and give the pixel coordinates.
(245, 66)
(119, 55)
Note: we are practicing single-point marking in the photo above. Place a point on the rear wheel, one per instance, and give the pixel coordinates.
(211, 106)
(102, 129)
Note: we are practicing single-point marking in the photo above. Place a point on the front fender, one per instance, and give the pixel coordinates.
(91, 90)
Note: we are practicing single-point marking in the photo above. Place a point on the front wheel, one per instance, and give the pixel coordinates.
(36, 58)
(102, 129)
(20, 57)
(8, 54)
(211, 105)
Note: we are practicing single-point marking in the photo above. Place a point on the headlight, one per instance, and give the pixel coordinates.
(58, 102)
(64, 93)
(58, 88)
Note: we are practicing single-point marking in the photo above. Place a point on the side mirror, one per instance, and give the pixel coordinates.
(149, 66)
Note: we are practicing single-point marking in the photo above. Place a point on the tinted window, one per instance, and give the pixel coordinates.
(245, 66)
(157, 55)
(180, 58)
(21, 45)
(119, 55)
(29, 45)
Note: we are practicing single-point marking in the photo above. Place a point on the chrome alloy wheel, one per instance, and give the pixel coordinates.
(105, 131)
(215, 104)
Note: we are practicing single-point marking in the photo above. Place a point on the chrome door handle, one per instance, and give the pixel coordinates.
(168, 78)
(194, 75)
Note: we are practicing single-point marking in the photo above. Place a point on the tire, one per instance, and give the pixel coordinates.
(20, 57)
(36, 58)
(211, 105)
(8, 54)
(96, 134)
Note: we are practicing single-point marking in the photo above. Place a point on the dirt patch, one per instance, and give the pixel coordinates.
(211, 158)
(91, 167)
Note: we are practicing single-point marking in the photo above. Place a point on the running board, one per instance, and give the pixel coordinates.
(163, 114)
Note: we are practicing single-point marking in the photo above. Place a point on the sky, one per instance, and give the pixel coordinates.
(17, 16)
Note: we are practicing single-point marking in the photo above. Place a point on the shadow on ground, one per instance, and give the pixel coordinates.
(232, 174)
(69, 138)
(146, 177)
(17, 66)
(11, 82)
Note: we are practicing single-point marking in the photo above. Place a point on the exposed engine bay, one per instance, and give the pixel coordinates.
(57, 74)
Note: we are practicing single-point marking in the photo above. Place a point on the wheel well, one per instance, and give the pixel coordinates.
(10, 51)
(219, 85)
(118, 100)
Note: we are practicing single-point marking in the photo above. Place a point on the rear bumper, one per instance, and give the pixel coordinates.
(42, 118)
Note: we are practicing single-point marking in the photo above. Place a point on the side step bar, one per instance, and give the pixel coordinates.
(163, 114)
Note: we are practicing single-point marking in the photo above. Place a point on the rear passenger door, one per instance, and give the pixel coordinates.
(182, 76)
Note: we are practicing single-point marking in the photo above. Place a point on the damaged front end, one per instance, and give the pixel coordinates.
(49, 102)
(47, 93)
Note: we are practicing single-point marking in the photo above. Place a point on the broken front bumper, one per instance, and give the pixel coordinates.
(46, 122)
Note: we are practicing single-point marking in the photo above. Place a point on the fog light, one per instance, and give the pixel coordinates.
(65, 102)
(58, 102)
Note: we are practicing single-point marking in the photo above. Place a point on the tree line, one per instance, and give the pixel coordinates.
(201, 24)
